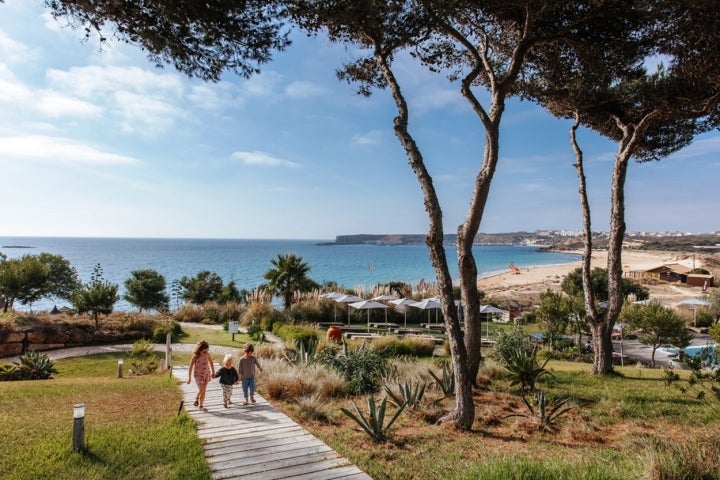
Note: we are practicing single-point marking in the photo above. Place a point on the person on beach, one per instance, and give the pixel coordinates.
(202, 369)
(228, 377)
(248, 362)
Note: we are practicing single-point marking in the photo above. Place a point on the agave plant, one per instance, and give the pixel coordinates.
(37, 366)
(9, 372)
(304, 352)
(409, 395)
(524, 368)
(543, 415)
(447, 382)
(374, 424)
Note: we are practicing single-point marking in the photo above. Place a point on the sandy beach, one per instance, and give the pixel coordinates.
(525, 287)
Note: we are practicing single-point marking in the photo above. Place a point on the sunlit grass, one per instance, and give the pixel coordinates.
(132, 426)
(213, 337)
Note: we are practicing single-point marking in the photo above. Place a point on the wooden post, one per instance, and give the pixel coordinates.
(168, 349)
(120, 367)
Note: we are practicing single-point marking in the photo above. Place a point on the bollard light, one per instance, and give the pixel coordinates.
(120, 365)
(78, 427)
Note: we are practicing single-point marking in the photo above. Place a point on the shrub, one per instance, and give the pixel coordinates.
(213, 312)
(311, 311)
(295, 333)
(33, 366)
(362, 368)
(255, 331)
(232, 312)
(508, 344)
(524, 368)
(314, 407)
(10, 372)
(37, 366)
(263, 314)
(173, 328)
(393, 346)
(189, 313)
(143, 359)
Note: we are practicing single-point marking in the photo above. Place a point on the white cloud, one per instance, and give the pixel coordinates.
(94, 81)
(262, 85)
(373, 137)
(437, 99)
(215, 96)
(302, 89)
(12, 51)
(13, 91)
(262, 159)
(144, 114)
(56, 105)
(58, 150)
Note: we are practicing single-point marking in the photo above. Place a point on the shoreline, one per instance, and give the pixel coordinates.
(526, 286)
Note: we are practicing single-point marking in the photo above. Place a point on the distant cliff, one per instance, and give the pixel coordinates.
(517, 238)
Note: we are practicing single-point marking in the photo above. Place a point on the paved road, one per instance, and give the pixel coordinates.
(634, 350)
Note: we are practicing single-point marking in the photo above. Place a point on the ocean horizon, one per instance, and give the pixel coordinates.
(246, 260)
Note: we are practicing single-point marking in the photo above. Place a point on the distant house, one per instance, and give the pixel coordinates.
(513, 308)
(700, 280)
(672, 272)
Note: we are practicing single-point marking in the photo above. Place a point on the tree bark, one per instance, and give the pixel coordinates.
(463, 412)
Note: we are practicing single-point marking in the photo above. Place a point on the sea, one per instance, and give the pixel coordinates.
(246, 260)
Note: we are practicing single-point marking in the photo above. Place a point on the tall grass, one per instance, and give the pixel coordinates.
(132, 429)
(680, 460)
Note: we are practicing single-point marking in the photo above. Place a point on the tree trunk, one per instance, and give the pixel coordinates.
(463, 413)
(602, 344)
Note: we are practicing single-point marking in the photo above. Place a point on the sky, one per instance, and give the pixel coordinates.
(98, 142)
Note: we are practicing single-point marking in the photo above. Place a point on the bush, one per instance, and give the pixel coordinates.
(143, 359)
(314, 407)
(362, 368)
(33, 366)
(189, 313)
(392, 346)
(508, 344)
(160, 332)
(255, 331)
(295, 333)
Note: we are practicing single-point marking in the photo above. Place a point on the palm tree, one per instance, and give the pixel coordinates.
(288, 275)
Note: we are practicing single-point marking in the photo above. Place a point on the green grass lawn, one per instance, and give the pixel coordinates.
(213, 337)
(132, 426)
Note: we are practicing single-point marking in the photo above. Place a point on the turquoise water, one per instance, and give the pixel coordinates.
(246, 261)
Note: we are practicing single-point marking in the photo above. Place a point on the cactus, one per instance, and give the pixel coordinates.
(373, 425)
(409, 395)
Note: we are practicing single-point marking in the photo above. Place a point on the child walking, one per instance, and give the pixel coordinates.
(228, 377)
(248, 362)
(202, 369)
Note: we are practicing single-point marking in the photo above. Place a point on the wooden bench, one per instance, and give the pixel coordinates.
(362, 335)
(403, 331)
(436, 340)
(329, 324)
(384, 325)
(440, 327)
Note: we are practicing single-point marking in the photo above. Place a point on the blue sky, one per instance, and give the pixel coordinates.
(101, 143)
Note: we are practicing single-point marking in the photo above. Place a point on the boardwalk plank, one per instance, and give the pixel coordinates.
(294, 470)
(258, 442)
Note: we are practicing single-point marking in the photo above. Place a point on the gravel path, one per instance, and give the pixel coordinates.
(159, 347)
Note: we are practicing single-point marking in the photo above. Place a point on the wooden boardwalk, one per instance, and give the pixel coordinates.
(258, 442)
